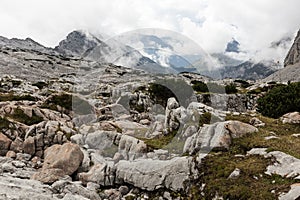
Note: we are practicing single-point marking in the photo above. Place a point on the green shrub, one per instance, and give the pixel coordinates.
(215, 88)
(244, 84)
(205, 118)
(199, 86)
(160, 94)
(280, 100)
(231, 89)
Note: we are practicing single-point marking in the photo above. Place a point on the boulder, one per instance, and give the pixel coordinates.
(294, 193)
(238, 129)
(150, 175)
(102, 174)
(217, 135)
(29, 145)
(16, 188)
(285, 165)
(4, 144)
(291, 118)
(256, 122)
(60, 160)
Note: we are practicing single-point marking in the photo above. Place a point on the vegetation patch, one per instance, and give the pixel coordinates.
(280, 100)
(159, 142)
(252, 182)
(286, 142)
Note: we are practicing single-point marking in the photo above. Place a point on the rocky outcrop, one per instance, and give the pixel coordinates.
(217, 135)
(151, 175)
(4, 144)
(60, 160)
(285, 165)
(229, 102)
(291, 118)
(293, 55)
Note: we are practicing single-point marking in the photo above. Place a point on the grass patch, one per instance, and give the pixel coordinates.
(159, 142)
(285, 143)
(251, 184)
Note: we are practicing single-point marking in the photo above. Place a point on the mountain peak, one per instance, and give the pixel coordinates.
(77, 43)
(233, 46)
(293, 55)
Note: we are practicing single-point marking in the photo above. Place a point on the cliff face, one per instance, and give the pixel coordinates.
(293, 56)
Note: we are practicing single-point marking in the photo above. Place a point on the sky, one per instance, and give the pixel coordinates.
(210, 23)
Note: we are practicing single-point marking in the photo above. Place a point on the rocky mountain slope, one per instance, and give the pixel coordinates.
(293, 56)
(291, 70)
(75, 128)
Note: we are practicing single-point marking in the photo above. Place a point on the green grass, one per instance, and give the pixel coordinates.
(216, 168)
(159, 142)
(286, 142)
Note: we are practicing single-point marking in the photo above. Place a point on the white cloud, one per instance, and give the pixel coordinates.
(211, 23)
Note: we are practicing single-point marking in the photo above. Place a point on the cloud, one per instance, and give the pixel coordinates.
(210, 23)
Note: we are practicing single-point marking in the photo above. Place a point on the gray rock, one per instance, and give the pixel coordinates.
(217, 135)
(150, 174)
(4, 144)
(16, 188)
(102, 174)
(235, 174)
(285, 166)
(294, 193)
(256, 122)
(291, 118)
(293, 56)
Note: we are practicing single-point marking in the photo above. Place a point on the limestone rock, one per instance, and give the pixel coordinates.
(59, 160)
(293, 56)
(291, 118)
(217, 135)
(4, 144)
(150, 174)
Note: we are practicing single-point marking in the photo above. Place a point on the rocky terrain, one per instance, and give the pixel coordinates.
(78, 128)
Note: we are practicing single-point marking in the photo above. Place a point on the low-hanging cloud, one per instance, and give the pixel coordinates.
(210, 23)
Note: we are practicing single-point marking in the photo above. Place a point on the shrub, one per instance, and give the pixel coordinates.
(280, 100)
(231, 89)
(244, 84)
(160, 94)
(199, 86)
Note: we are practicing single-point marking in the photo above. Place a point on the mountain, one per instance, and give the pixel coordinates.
(293, 56)
(78, 43)
(26, 44)
(88, 46)
(291, 70)
(233, 46)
